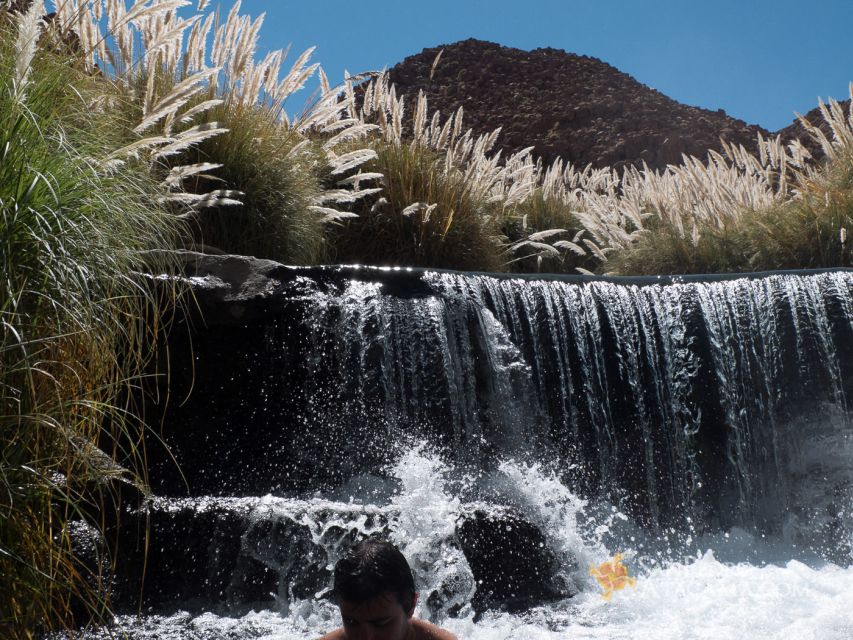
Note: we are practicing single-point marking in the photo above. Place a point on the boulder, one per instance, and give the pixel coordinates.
(188, 553)
(513, 567)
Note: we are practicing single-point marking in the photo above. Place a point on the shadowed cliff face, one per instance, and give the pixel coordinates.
(668, 396)
(565, 105)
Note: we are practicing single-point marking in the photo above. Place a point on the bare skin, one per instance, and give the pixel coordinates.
(383, 618)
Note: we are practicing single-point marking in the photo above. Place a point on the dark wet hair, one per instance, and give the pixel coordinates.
(371, 568)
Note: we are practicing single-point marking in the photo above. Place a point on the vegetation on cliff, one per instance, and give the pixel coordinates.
(77, 220)
(107, 163)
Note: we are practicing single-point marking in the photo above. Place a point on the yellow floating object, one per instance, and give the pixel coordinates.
(612, 576)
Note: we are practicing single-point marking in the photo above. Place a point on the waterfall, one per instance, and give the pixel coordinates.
(701, 427)
(644, 386)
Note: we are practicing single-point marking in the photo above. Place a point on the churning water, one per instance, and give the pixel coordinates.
(729, 585)
(701, 429)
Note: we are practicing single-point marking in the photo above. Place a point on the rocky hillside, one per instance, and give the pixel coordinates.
(566, 105)
(796, 130)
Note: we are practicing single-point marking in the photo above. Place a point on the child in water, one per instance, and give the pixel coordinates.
(376, 595)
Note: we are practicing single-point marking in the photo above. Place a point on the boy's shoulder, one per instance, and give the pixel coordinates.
(427, 631)
(423, 631)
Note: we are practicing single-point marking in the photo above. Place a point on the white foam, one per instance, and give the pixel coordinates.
(703, 599)
(698, 600)
(739, 586)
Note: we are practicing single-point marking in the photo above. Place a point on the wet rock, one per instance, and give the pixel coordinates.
(92, 562)
(301, 566)
(103, 499)
(185, 554)
(233, 552)
(233, 290)
(512, 564)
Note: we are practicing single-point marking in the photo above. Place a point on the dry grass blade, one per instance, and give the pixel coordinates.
(216, 198)
(188, 138)
(345, 196)
(351, 160)
(196, 52)
(295, 78)
(435, 64)
(539, 236)
(539, 247)
(414, 208)
(570, 246)
(139, 11)
(354, 132)
(178, 174)
(180, 94)
(332, 216)
(134, 148)
(357, 178)
(29, 30)
(202, 107)
(169, 37)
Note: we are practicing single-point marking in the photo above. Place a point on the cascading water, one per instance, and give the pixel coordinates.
(650, 392)
(701, 428)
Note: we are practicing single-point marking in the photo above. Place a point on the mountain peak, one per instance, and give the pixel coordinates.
(565, 105)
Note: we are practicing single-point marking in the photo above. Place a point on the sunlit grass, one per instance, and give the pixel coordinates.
(75, 319)
(801, 226)
(424, 216)
(278, 180)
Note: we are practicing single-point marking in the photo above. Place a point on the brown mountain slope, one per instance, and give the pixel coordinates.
(575, 107)
(796, 130)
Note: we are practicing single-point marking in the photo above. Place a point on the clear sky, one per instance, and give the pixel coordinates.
(760, 60)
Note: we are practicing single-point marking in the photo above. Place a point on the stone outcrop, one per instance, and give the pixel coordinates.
(565, 105)
(254, 552)
(512, 564)
(571, 106)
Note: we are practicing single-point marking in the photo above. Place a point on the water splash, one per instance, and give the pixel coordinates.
(697, 596)
(700, 429)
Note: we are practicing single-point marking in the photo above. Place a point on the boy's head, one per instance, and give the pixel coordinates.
(375, 590)
(372, 568)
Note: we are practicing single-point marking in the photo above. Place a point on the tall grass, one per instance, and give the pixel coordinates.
(278, 180)
(424, 216)
(441, 196)
(780, 210)
(545, 236)
(731, 212)
(216, 116)
(75, 228)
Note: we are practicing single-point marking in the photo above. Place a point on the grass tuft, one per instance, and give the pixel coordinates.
(277, 174)
(424, 216)
(73, 236)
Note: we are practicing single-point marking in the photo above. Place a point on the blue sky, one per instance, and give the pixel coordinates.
(760, 60)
